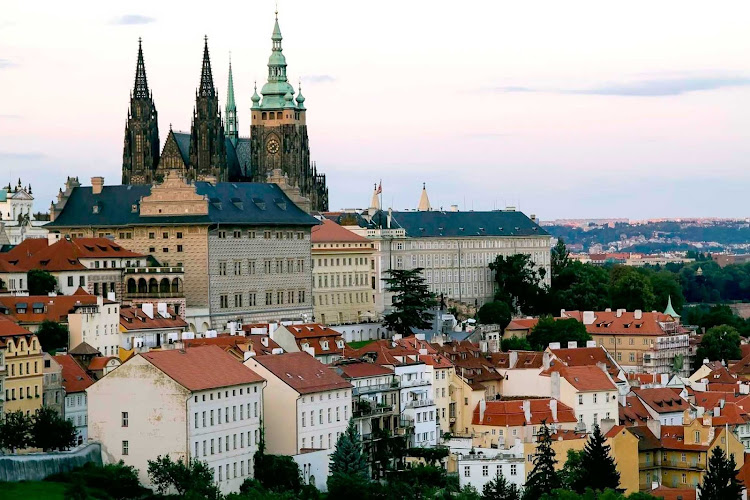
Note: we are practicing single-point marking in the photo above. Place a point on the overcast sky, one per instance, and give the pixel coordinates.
(564, 109)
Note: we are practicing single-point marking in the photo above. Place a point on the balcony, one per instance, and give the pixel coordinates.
(366, 389)
(679, 464)
(153, 295)
(414, 383)
(373, 412)
(155, 270)
(420, 403)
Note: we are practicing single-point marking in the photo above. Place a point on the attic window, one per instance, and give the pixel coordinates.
(134, 208)
(259, 203)
(638, 325)
(280, 203)
(95, 209)
(102, 248)
(21, 307)
(216, 202)
(89, 248)
(37, 307)
(237, 203)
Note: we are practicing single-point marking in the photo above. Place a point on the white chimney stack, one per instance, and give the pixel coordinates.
(588, 317)
(161, 307)
(527, 410)
(572, 344)
(148, 310)
(553, 409)
(638, 314)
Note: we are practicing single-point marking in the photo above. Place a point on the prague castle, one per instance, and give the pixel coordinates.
(213, 151)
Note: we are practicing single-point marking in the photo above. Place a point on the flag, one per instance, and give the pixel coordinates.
(380, 188)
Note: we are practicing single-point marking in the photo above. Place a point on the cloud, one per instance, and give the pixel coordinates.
(5, 155)
(132, 19)
(646, 87)
(10, 117)
(7, 63)
(313, 79)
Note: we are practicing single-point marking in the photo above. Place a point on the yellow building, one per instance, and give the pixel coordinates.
(24, 367)
(679, 456)
(343, 275)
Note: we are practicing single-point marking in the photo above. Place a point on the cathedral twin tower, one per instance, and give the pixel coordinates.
(213, 150)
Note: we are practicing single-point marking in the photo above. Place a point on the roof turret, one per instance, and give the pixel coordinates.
(277, 86)
(206, 88)
(300, 98)
(424, 201)
(256, 97)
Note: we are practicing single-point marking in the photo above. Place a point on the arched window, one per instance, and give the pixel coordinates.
(176, 285)
(153, 286)
(271, 115)
(264, 115)
(142, 286)
(164, 285)
(132, 286)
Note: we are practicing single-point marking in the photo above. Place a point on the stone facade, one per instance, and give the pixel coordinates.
(259, 274)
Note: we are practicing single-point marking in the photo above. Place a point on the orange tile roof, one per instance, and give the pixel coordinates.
(201, 368)
(64, 255)
(614, 431)
(56, 308)
(100, 362)
(316, 336)
(744, 472)
(583, 356)
(731, 414)
(330, 232)
(607, 323)
(133, 318)
(360, 369)
(633, 412)
(25, 249)
(741, 367)
(662, 400)
(9, 328)
(302, 372)
(668, 493)
(585, 378)
(567, 435)
(522, 324)
(510, 413)
(75, 378)
(436, 360)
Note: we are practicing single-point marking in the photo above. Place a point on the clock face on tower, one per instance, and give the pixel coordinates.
(272, 146)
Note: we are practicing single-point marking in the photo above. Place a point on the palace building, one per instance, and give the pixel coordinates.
(213, 149)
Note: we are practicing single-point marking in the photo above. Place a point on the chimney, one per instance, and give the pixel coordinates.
(148, 310)
(513, 359)
(654, 425)
(533, 217)
(554, 346)
(97, 183)
(637, 314)
(588, 317)
(554, 383)
(264, 341)
(390, 216)
(591, 343)
(454, 208)
(619, 312)
(654, 485)
(572, 344)
(482, 409)
(553, 409)
(606, 424)
(546, 360)
(161, 307)
(527, 410)
(717, 411)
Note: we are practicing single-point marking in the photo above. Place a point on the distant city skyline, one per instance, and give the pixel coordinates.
(580, 110)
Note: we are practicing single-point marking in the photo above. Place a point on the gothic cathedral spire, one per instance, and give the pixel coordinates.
(231, 126)
(141, 146)
(208, 153)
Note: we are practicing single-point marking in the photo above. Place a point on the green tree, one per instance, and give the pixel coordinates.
(412, 301)
(15, 431)
(495, 312)
(666, 284)
(599, 466)
(719, 343)
(631, 290)
(52, 335)
(579, 286)
(500, 489)
(191, 478)
(515, 344)
(278, 473)
(572, 472)
(348, 469)
(41, 282)
(720, 481)
(117, 481)
(518, 282)
(549, 330)
(560, 259)
(543, 477)
(49, 431)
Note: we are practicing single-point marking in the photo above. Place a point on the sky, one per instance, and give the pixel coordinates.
(562, 109)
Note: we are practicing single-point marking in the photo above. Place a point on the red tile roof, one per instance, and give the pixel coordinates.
(25, 249)
(75, 378)
(133, 318)
(744, 473)
(200, 368)
(9, 328)
(510, 413)
(586, 356)
(436, 360)
(741, 367)
(64, 255)
(662, 400)
(55, 308)
(633, 412)
(360, 369)
(607, 323)
(319, 337)
(614, 431)
(731, 414)
(100, 362)
(330, 232)
(567, 435)
(302, 372)
(668, 493)
(585, 378)
(522, 324)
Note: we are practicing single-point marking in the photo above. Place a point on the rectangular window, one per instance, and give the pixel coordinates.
(124, 419)
(125, 448)
(223, 301)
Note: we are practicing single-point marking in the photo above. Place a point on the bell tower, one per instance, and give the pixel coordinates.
(278, 130)
(140, 154)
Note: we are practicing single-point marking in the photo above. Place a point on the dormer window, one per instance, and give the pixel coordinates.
(134, 208)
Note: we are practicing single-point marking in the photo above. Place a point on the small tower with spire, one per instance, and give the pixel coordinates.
(230, 115)
(208, 149)
(424, 201)
(140, 154)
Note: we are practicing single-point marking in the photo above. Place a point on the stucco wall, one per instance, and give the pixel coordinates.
(37, 466)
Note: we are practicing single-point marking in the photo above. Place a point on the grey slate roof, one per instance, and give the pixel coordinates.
(243, 156)
(435, 223)
(183, 144)
(241, 203)
(234, 166)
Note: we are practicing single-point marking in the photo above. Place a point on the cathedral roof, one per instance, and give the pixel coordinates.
(436, 223)
(241, 203)
(237, 166)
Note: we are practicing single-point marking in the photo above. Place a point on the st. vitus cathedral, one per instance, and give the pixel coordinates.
(213, 150)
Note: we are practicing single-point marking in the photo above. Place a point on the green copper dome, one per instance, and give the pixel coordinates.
(256, 97)
(669, 311)
(277, 87)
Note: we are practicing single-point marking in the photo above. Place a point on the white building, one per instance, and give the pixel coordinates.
(197, 403)
(18, 223)
(481, 465)
(75, 383)
(146, 327)
(97, 324)
(311, 404)
(418, 409)
(588, 390)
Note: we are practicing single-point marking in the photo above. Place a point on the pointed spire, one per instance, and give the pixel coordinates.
(231, 126)
(230, 87)
(277, 87)
(300, 97)
(276, 35)
(669, 311)
(424, 201)
(206, 88)
(140, 89)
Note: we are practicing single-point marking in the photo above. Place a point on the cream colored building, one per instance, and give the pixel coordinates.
(440, 370)
(311, 404)
(24, 368)
(162, 403)
(343, 275)
(96, 324)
